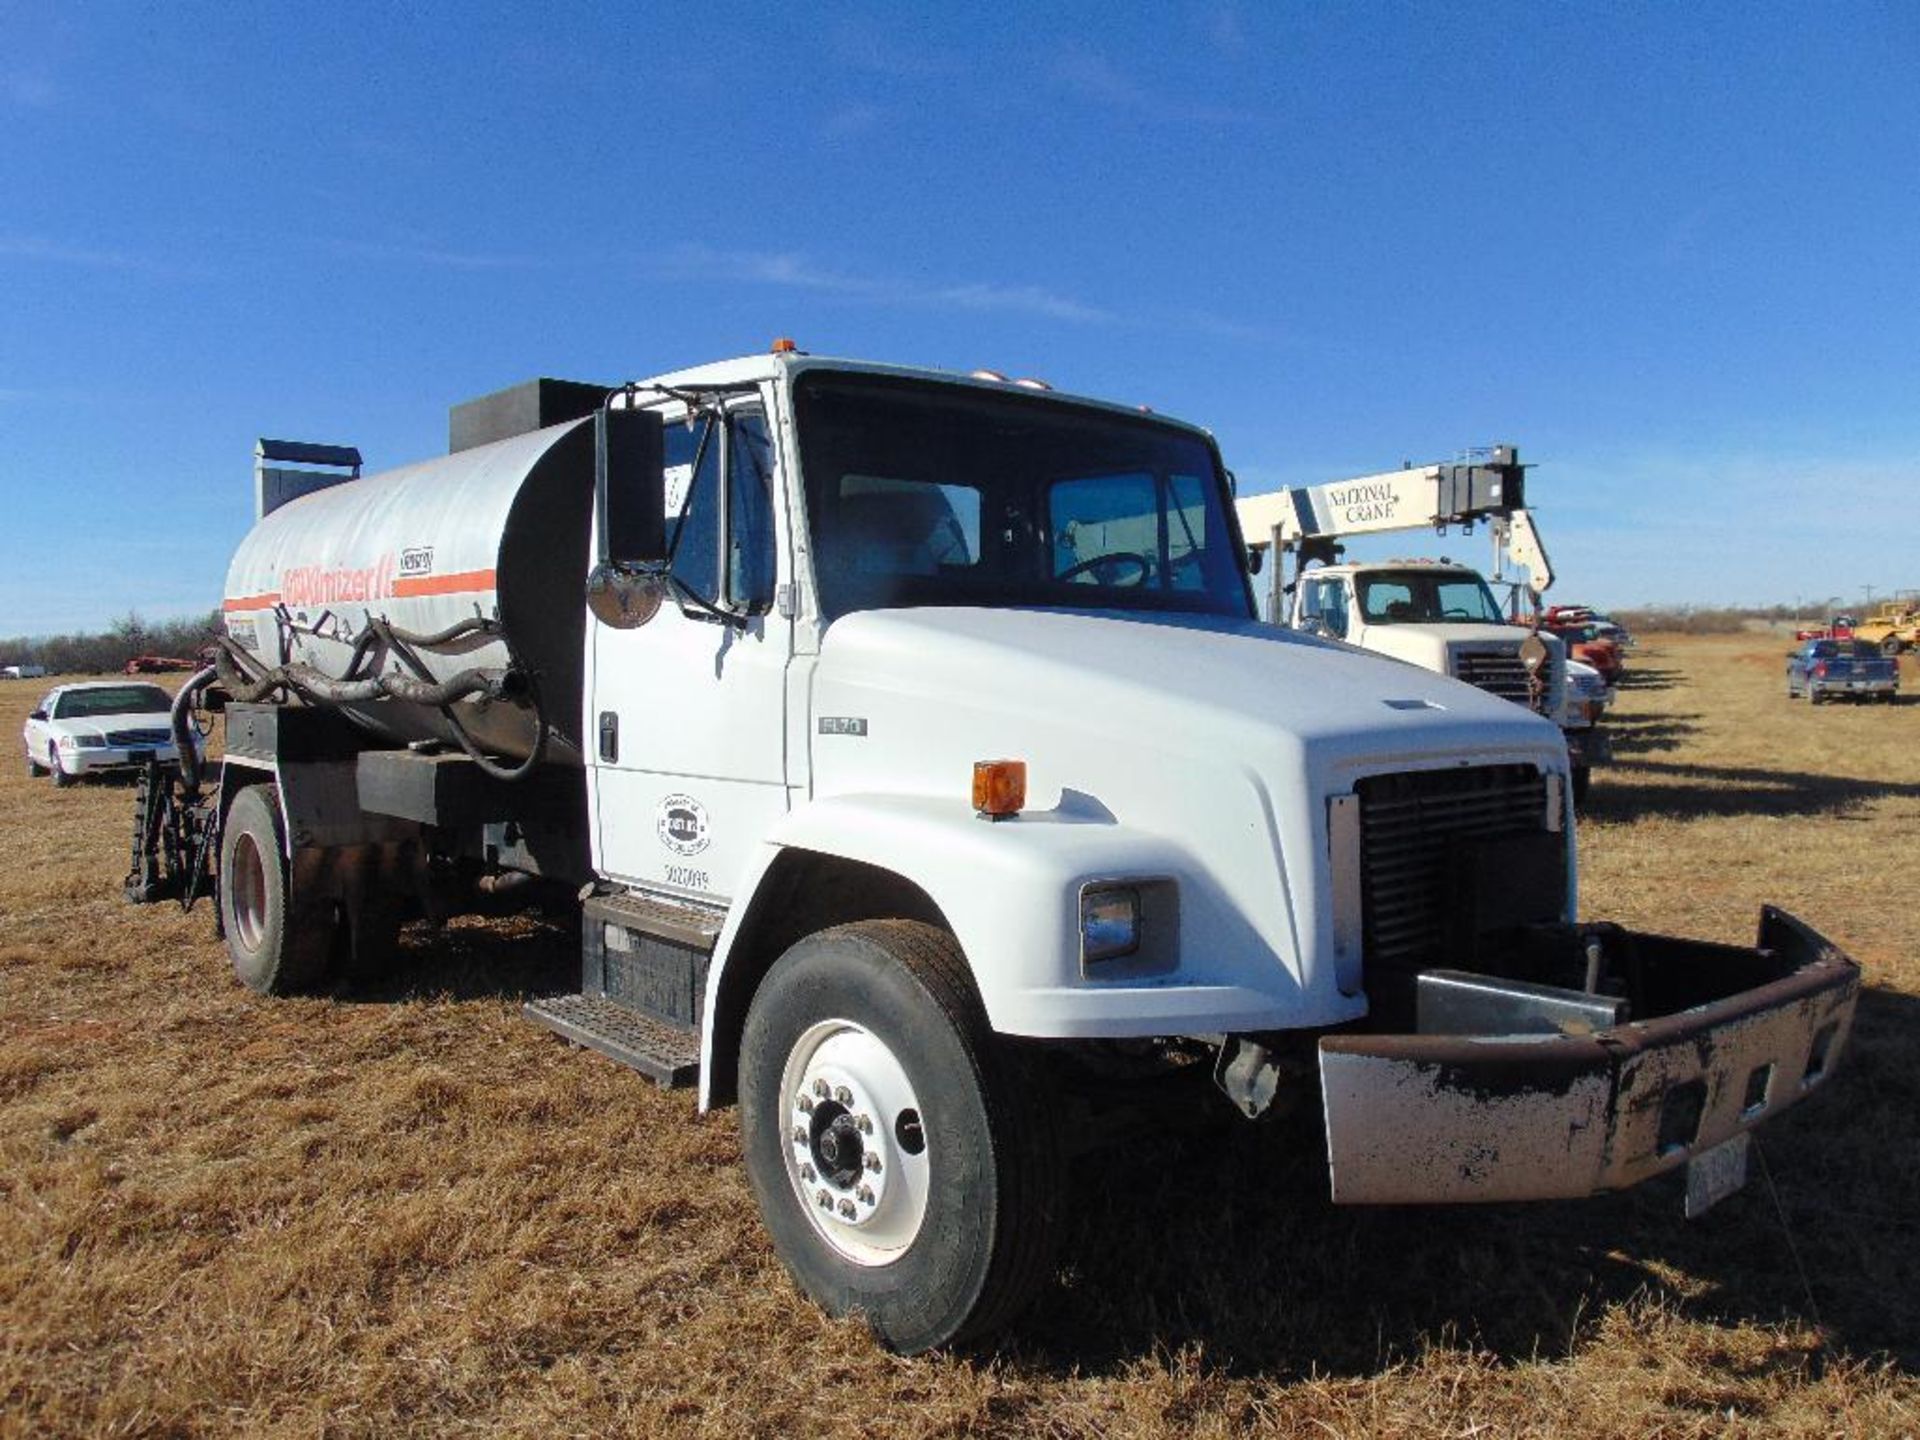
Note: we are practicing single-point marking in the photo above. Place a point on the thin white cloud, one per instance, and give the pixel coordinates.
(438, 256)
(796, 272)
(29, 89)
(850, 120)
(53, 252)
(1091, 77)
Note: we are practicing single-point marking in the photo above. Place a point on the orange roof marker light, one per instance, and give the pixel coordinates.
(785, 346)
(999, 788)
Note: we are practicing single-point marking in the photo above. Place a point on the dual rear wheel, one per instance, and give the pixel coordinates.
(294, 919)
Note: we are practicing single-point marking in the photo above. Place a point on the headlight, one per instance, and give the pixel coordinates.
(82, 742)
(1109, 923)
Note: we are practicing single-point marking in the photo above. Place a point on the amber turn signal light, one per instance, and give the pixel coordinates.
(999, 788)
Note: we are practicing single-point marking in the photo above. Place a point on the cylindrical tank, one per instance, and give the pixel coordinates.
(500, 532)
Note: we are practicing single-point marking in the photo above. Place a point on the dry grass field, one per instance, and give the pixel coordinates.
(404, 1210)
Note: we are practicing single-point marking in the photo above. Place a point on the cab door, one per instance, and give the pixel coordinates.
(685, 723)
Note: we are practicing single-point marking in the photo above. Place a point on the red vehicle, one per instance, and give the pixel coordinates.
(1585, 643)
(158, 665)
(1839, 628)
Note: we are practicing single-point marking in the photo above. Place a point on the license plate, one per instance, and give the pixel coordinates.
(1714, 1174)
(139, 757)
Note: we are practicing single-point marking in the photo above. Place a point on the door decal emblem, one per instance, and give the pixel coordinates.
(682, 825)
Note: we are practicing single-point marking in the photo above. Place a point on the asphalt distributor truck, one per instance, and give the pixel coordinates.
(928, 786)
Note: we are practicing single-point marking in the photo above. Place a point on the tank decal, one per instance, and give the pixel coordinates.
(422, 585)
(445, 584)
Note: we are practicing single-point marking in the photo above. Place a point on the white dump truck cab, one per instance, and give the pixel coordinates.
(932, 790)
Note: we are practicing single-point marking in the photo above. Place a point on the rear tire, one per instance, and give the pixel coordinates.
(1890, 646)
(278, 937)
(34, 768)
(869, 1078)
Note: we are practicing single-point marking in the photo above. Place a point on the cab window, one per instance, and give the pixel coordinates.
(742, 450)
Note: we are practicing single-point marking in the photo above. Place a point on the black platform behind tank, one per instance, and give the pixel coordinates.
(520, 409)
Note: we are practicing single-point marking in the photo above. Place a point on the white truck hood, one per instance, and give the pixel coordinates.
(1418, 643)
(1203, 685)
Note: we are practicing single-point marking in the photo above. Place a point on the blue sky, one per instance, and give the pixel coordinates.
(1670, 251)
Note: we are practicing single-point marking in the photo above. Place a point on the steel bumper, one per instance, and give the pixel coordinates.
(1418, 1119)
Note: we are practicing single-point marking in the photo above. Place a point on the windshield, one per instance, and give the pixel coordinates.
(1427, 597)
(928, 494)
(112, 700)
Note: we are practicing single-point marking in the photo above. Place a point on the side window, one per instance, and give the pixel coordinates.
(1326, 601)
(693, 505)
(750, 541)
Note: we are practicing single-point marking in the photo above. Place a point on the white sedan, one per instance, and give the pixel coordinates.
(110, 725)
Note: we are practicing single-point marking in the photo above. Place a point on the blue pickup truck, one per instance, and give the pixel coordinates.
(1822, 668)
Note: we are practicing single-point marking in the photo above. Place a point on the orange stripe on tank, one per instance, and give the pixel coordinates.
(252, 602)
(445, 584)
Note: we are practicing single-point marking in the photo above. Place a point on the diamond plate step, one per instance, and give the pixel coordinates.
(668, 1054)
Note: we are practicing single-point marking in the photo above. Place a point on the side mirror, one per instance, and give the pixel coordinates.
(36, 715)
(1256, 559)
(629, 577)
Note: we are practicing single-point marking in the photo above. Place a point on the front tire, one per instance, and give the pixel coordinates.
(1582, 782)
(61, 778)
(904, 1158)
(278, 937)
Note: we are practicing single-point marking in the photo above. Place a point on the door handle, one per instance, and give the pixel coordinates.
(610, 737)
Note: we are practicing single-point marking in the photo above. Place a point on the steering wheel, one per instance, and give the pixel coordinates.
(1101, 565)
(1455, 615)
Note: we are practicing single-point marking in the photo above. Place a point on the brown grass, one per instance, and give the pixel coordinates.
(403, 1210)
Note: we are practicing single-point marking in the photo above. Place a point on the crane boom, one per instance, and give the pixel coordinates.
(1310, 521)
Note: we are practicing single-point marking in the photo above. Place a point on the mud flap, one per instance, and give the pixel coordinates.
(1423, 1119)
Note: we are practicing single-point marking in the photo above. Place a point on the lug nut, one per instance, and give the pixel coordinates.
(805, 1102)
(843, 1095)
(865, 1196)
(864, 1123)
(846, 1210)
(808, 1174)
(820, 1089)
(825, 1200)
(800, 1136)
(873, 1163)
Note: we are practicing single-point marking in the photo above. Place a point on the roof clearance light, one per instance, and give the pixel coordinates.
(999, 788)
(993, 375)
(785, 346)
(1027, 382)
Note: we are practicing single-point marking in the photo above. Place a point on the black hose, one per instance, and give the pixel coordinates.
(179, 720)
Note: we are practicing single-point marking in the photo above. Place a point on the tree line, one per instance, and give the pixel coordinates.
(108, 651)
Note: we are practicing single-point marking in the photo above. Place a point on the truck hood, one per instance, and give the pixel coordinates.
(1173, 682)
(1416, 642)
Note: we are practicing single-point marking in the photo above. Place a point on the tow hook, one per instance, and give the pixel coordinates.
(1248, 1074)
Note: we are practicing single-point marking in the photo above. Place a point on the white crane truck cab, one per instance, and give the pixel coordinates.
(933, 791)
(1442, 616)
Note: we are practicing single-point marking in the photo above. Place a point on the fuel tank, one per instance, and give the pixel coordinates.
(499, 532)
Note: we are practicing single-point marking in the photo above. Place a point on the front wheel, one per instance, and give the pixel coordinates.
(1890, 646)
(60, 777)
(904, 1158)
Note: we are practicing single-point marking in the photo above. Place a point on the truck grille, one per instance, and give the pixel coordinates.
(1497, 674)
(124, 739)
(1411, 827)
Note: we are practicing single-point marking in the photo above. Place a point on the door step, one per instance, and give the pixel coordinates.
(667, 1054)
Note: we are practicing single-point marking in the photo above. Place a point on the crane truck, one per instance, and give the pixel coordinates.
(1439, 615)
(925, 784)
